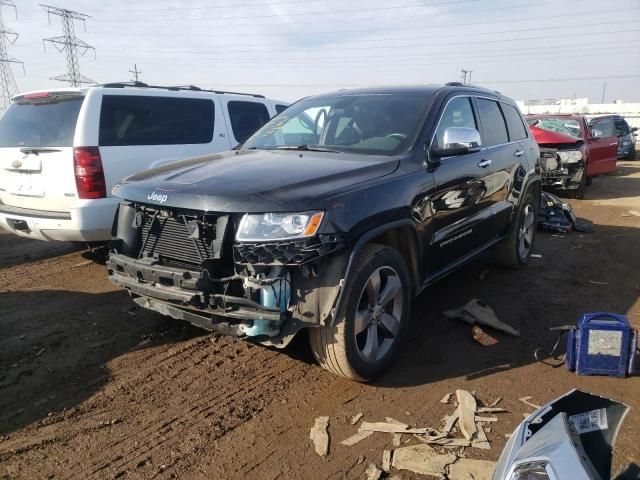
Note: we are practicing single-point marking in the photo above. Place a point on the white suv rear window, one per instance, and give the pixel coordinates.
(49, 123)
(151, 120)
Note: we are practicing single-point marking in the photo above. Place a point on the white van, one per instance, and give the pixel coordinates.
(62, 150)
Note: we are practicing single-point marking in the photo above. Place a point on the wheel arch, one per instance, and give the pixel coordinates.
(401, 235)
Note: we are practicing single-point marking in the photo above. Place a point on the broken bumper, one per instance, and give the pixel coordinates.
(558, 174)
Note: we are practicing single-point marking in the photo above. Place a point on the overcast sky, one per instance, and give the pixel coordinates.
(527, 49)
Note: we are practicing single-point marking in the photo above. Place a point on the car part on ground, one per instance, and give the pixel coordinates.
(331, 218)
(557, 216)
(572, 436)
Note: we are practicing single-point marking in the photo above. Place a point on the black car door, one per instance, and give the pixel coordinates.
(460, 203)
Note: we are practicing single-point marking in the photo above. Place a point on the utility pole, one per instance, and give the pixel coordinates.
(8, 84)
(604, 88)
(135, 72)
(466, 76)
(68, 43)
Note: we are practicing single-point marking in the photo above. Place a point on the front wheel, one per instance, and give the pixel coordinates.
(515, 250)
(366, 340)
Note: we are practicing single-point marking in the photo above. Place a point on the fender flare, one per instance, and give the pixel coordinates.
(336, 311)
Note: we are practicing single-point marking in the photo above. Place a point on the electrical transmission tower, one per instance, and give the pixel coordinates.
(136, 73)
(8, 82)
(68, 43)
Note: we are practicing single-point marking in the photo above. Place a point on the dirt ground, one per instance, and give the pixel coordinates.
(91, 389)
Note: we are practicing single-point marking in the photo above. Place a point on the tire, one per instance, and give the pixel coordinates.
(515, 250)
(632, 154)
(589, 181)
(365, 341)
(579, 192)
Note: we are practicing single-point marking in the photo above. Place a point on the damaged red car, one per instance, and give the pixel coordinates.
(572, 151)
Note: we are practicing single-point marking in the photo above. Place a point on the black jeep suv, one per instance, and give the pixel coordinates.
(331, 218)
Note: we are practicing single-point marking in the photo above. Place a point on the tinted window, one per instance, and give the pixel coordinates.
(493, 126)
(457, 113)
(146, 120)
(280, 108)
(246, 118)
(621, 127)
(514, 123)
(384, 123)
(40, 124)
(605, 125)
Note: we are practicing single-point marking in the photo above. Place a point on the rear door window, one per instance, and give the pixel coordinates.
(151, 120)
(246, 118)
(41, 123)
(515, 126)
(493, 126)
(621, 127)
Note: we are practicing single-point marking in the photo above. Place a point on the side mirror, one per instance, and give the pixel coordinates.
(595, 133)
(458, 141)
(634, 129)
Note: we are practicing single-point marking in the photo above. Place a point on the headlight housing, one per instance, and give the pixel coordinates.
(278, 226)
(570, 156)
(532, 471)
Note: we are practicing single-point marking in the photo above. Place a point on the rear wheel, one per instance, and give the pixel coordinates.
(632, 153)
(367, 338)
(515, 250)
(579, 192)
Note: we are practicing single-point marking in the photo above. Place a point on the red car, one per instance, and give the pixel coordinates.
(572, 151)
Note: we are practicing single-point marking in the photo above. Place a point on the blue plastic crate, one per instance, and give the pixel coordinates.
(603, 344)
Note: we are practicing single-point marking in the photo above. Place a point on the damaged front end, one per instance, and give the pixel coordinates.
(563, 166)
(570, 437)
(190, 265)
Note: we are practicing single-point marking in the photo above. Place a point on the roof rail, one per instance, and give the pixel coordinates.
(175, 88)
(460, 84)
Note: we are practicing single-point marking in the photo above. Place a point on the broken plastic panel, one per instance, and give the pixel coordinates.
(570, 437)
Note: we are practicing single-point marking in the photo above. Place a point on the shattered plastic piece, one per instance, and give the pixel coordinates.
(356, 418)
(320, 436)
(451, 420)
(395, 422)
(373, 472)
(468, 469)
(397, 439)
(353, 439)
(536, 255)
(390, 428)
(495, 402)
(422, 459)
(446, 398)
(635, 213)
(386, 460)
(467, 409)
(491, 410)
(482, 337)
(526, 401)
(476, 311)
(554, 215)
(487, 419)
(481, 441)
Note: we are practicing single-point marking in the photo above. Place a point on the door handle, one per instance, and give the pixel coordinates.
(612, 144)
(484, 163)
(518, 153)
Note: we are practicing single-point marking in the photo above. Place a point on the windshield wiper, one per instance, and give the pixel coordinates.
(38, 150)
(306, 148)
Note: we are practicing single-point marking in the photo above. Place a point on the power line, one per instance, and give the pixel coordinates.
(331, 12)
(380, 47)
(590, 25)
(70, 44)
(7, 80)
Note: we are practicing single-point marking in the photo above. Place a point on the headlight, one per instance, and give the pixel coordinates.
(531, 471)
(570, 156)
(278, 226)
(626, 142)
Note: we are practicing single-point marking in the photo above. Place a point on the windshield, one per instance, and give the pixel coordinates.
(40, 124)
(383, 124)
(568, 126)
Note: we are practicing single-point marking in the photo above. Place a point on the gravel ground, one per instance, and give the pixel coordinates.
(91, 389)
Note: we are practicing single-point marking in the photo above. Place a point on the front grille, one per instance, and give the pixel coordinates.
(168, 239)
(285, 253)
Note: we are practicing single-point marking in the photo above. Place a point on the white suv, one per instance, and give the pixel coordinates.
(62, 150)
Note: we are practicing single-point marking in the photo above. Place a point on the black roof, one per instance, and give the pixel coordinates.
(414, 90)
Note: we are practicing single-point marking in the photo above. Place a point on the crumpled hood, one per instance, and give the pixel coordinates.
(252, 181)
(547, 137)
